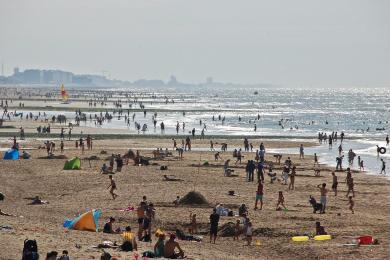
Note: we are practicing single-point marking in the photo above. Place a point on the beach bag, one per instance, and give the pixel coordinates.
(146, 238)
(105, 256)
(30, 250)
(148, 254)
(127, 246)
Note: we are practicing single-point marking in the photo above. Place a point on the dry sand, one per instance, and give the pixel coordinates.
(74, 192)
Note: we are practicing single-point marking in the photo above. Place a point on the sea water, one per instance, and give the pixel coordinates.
(362, 113)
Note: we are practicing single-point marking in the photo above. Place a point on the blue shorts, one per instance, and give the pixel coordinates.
(259, 197)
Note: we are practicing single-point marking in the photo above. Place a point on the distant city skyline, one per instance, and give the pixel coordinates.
(289, 43)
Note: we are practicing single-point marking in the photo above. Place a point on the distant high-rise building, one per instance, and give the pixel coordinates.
(16, 71)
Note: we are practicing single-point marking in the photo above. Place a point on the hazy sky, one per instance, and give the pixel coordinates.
(291, 42)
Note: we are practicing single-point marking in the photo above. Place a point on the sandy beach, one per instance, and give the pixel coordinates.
(73, 192)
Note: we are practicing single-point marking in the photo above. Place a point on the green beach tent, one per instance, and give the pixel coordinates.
(73, 164)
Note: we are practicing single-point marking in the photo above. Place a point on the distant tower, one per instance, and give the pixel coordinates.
(16, 71)
(2, 69)
(172, 80)
(209, 80)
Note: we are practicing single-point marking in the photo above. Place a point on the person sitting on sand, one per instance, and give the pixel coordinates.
(64, 255)
(38, 201)
(320, 230)
(176, 201)
(104, 169)
(108, 226)
(129, 241)
(25, 155)
(159, 246)
(52, 255)
(170, 246)
(2, 213)
(280, 201)
(272, 175)
(242, 210)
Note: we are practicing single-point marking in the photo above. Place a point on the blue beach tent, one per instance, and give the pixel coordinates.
(11, 154)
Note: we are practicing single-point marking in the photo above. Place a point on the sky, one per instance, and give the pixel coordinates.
(290, 43)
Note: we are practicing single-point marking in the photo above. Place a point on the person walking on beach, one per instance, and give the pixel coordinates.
(383, 170)
(324, 192)
(214, 219)
(340, 149)
(292, 178)
(301, 152)
(280, 201)
(212, 145)
(315, 159)
(334, 183)
(339, 161)
(259, 195)
(350, 185)
(112, 187)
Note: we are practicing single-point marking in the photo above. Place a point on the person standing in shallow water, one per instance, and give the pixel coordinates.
(301, 152)
(383, 170)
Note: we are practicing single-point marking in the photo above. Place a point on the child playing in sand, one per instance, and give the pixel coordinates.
(280, 201)
(351, 204)
(193, 225)
(248, 234)
(112, 187)
(236, 230)
(320, 230)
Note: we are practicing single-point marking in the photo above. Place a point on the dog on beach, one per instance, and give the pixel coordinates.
(316, 206)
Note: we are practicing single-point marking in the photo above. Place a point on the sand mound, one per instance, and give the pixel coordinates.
(61, 156)
(103, 152)
(92, 157)
(227, 230)
(193, 197)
